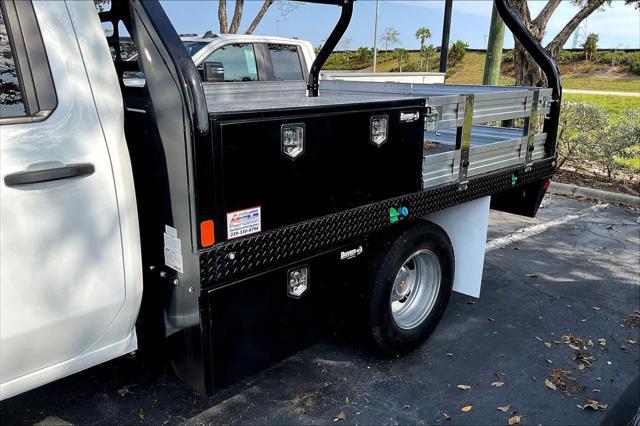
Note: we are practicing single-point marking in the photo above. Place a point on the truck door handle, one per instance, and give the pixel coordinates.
(46, 175)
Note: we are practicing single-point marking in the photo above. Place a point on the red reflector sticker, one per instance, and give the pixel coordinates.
(207, 234)
(546, 185)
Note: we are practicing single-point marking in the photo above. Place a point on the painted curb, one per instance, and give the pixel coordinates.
(595, 194)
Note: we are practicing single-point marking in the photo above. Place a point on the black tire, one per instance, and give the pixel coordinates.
(385, 263)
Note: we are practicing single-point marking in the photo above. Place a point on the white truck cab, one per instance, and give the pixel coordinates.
(70, 269)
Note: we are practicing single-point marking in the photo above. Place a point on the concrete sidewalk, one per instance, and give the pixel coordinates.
(576, 276)
(601, 92)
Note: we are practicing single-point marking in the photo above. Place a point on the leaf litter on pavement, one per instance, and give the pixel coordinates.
(594, 405)
(632, 321)
(563, 381)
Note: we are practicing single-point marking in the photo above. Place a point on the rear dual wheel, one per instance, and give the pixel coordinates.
(410, 282)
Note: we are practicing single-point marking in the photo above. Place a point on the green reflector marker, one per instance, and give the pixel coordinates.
(514, 179)
(393, 215)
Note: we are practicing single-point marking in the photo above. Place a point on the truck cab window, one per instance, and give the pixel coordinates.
(286, 62)
(11, 100)
(239, 61)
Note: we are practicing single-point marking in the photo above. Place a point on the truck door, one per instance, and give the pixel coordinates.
(62, 274)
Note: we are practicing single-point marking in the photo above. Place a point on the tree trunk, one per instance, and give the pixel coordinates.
(556, 44)
(259, 16)
(237, 17)
(527, 71)
(222, 16)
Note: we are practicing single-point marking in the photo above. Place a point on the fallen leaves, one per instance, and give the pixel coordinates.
(497, 384)
(466, 408)
(594, 405)
(141, 414)
(633, 320)
(602, 341)
(574, 342)
(514, 420)
(550, 385)
(504, 408)
(563, 381)
(340, 416)
(634, 341)
(584, 359)
(464, 387)
(302, 403)
(123, 391)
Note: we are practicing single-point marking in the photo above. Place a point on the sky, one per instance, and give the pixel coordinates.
(618, 26)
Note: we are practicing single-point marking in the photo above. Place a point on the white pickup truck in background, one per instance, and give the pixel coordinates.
(245, 57)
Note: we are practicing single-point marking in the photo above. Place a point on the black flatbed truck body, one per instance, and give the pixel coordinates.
(225, 310)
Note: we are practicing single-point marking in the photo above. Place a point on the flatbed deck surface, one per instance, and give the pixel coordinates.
(280, 101)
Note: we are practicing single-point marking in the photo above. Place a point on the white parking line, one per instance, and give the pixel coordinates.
(529, 231)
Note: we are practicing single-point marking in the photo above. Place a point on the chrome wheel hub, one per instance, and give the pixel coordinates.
(415, 289)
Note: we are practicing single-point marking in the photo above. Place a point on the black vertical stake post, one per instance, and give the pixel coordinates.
(313, 84)
(446, 31)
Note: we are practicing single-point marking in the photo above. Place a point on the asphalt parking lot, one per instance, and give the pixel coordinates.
(564, 288)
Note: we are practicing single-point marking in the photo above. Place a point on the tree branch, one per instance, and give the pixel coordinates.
(545, 14)
(237, 17)
(556, 44)
(522, 10)
(259, 16)
(222, 16)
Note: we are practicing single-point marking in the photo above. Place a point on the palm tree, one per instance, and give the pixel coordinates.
(428, 54)
(400, 55)
(390, 37)
(423, 34)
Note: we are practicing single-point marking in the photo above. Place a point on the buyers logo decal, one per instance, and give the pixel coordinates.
(350, 254)
(409, 117)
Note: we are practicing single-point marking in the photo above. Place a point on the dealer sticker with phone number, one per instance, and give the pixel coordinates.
(245, 222)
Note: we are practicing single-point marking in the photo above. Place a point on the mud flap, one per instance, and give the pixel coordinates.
(466, 225)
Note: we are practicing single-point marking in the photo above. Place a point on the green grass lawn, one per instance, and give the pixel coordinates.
(471, 70)
(614, 105)
(602, 82)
